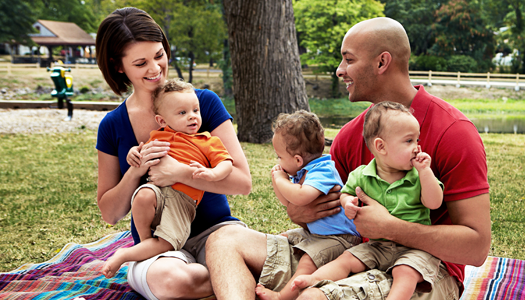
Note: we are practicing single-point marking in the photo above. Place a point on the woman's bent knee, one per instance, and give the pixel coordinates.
(171, 282)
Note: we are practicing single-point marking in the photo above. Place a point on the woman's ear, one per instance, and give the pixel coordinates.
(160, 120)
(298, 160)
(118, 67)
(379, 145)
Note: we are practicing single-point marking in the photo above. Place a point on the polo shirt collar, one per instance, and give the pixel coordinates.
(301, 172)
(371, 170)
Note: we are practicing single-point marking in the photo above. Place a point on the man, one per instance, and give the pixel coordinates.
(375, 68)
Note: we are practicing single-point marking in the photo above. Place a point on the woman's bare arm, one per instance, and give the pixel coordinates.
(114, 191)
(169, 171)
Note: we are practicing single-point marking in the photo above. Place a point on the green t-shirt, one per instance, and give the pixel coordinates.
(401, 198)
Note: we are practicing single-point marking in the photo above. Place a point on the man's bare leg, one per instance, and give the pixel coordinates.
(235, 257)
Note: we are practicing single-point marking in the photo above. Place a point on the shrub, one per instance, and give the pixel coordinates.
(430, 63)
(462, 63)
(84, 89)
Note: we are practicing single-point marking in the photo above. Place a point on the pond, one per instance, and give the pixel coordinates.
(484, 125)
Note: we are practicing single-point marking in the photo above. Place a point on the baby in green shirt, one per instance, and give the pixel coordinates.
(400, 178)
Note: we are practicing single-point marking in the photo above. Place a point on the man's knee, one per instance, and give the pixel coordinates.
(227, 236)
(312, 294)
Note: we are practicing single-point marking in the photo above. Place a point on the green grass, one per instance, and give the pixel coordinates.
(48, 195)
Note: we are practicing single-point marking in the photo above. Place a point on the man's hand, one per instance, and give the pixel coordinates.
(373, 218)
(323, 206)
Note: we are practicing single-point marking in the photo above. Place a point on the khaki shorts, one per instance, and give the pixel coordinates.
(173, 216)
(281, 264)
(385, 255)
(194, 251)
(322, 249)
(281, 261)
(375, 285)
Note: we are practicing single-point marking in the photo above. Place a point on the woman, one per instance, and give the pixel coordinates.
(133, 51)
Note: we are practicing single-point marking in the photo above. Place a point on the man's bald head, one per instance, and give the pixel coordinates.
(379, 35)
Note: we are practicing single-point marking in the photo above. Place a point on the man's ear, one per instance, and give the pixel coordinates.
(379, 145)
(384, 60)
(298, 160)
(160, 120)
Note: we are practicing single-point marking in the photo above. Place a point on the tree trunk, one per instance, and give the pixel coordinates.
(267, 78)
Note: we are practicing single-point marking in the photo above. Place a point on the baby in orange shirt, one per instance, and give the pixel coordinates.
(170, 210)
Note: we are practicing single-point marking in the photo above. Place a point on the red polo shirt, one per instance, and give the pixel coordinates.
(450, 138)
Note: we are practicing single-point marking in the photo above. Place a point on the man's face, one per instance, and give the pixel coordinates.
(356, 68)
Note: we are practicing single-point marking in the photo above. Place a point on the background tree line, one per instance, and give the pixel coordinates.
(263, 40)
(449, 35)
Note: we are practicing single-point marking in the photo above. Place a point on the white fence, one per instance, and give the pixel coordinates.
(488, 80)
(429, 78)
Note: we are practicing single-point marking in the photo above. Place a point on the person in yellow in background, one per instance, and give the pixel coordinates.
(399, 177)
(170, 210)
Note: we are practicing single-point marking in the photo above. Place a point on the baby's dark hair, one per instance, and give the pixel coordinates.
(173, 85)
(374, 119)
(303, 132)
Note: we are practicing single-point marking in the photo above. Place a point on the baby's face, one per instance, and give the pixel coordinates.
(287, 161)
(401, 136)
(181, 111)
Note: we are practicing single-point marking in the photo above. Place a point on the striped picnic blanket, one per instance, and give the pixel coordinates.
(75, 271)
(497, 279)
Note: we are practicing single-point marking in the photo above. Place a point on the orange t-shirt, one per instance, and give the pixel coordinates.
(201, 147)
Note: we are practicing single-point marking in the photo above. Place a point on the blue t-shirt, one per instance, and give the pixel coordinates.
(116, 137)
(322, 175)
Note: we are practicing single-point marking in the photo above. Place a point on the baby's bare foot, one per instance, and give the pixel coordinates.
(266, 294)
(303, 281)
(113, 264)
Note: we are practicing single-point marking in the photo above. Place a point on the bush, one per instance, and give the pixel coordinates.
(84, 89)
(430, 63)
(462, 63)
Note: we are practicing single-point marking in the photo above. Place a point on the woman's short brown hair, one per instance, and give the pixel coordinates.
(119, 29)
(303, 132)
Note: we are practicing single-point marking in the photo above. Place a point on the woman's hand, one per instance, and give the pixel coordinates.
(150, 155)
(166, 170)
(323, 206)
(153, 151)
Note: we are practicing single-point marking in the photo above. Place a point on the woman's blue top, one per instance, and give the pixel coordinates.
(116, 137)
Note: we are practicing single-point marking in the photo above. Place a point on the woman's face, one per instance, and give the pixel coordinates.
(145, 64)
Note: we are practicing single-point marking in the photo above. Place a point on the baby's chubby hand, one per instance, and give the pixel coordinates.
(422, 160)
(350, 203)
(278, 172)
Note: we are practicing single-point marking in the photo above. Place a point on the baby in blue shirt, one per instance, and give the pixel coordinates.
(298, 142)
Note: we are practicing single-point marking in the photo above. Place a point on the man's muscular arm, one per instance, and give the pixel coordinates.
(467, 241)
(323, 206)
